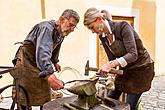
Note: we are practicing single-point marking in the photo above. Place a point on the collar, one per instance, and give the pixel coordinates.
(109, 28)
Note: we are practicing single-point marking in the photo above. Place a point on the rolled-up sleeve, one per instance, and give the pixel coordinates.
(44, 48)
(122, 61)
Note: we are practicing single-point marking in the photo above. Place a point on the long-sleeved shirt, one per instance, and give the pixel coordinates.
(47, 41)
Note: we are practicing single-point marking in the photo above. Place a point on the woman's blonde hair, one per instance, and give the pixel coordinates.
(106, 14)
(91, 15)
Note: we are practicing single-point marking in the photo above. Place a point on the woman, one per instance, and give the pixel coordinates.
(124, 49)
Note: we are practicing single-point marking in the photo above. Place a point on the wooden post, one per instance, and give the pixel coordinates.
(43, 9)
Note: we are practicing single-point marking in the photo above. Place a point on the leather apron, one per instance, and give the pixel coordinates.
(137, 77)
(27, 73)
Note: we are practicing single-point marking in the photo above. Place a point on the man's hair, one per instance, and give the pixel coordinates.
(68, 13)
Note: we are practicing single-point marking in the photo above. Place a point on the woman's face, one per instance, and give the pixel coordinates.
(96, 26)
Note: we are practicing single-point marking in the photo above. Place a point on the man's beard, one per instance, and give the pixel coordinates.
(65, 33)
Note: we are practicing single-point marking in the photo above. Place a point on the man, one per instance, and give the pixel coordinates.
(124, 49)
(34, 59)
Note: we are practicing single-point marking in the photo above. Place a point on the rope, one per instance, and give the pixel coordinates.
(75, 72)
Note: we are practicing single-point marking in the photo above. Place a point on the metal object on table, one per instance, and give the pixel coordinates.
(85, 99)
(113, 71)
(84, 87)
(60, 104)
(6, 69)
(3, 70)
(86, 91)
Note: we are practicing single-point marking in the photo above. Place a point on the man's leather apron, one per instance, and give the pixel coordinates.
(28, 76)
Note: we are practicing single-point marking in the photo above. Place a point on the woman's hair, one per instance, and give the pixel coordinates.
(91, 15)
(68, 13)
(106, 14)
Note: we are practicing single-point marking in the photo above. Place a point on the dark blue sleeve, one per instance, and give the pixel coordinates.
(44, 48)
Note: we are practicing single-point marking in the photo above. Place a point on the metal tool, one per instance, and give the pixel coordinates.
(113, 71)
(76, 80)
(86, 91)
(8, 69)
(85, 98)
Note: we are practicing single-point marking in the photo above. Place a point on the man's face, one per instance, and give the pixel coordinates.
(68, 26)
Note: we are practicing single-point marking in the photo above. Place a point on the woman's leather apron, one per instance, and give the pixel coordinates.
(137, 77)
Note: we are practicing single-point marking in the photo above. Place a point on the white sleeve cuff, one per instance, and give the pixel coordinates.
(122, 61)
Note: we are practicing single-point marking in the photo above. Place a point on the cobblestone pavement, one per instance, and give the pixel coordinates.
(154, 99)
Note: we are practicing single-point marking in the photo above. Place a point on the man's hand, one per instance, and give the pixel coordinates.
(55, 83)
(57, 67)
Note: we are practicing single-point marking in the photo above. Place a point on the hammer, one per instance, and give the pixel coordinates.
(113, 71)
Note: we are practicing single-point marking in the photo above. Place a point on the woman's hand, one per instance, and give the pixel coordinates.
(106, 68)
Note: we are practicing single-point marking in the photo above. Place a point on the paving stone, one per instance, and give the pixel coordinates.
(148, 107)
(162, 107)
(154, 99)
(158, 109)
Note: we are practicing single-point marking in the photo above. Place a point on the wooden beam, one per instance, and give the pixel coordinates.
(43, 9)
